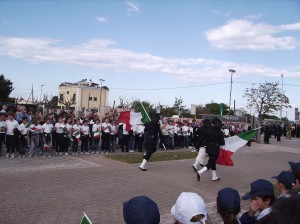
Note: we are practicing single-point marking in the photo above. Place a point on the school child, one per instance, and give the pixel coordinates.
(85, 134)
(47, 129)
(23, 129)
(75, 137)
(96, 129)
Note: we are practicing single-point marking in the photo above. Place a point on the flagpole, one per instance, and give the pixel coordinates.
(145, 111)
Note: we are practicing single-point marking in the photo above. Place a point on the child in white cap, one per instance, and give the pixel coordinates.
(190, 209)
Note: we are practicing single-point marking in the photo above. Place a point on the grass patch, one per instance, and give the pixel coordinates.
(156, 157)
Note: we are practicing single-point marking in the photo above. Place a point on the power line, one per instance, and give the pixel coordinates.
(177, 87)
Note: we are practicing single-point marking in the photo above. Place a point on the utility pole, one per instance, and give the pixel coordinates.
(281, 96)
(41, 93)
(101, 80)
(231, 71)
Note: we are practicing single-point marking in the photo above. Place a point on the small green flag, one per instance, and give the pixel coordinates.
(85, 219)
(145, 117)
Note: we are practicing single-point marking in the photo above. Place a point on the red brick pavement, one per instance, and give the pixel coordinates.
(59, 190)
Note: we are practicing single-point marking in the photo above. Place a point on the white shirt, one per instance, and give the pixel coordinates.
(171, 130)
(85, 130)
(105, 127)
(76, 127)
(10, 126)
(36, 128)
(262, 213)
(226, 131)
(184, 130)
(96, 127)
(124, 130)
(113, 129)
(47, 128)
(22, 128)
(140, 130)
(60, 128)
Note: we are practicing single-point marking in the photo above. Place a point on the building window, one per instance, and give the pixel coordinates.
(67, 92)
(74, 97)
(95, 98)
(90, 98)
(61, 97)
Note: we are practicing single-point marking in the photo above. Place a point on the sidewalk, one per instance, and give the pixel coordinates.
(60, 189)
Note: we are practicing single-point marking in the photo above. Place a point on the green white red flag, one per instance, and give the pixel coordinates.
(85, 219)
(76, 134)
(131, 118)
(232, 144)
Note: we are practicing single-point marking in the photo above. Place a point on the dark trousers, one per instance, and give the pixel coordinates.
(278, 137)
(125, 143)
(140, 142)
(105, 141)
(10, 144)
(65, 144)
(2, 140)
(23, 144)
(84, 143)
(266, 138)
(48, 138)
(58, 143)
(53, 133)
(213, 154)
(150, 147)
(74, 144)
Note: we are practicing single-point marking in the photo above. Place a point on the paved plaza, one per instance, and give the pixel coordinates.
(59, 189)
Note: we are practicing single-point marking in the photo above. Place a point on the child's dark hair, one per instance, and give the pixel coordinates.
(229, 217)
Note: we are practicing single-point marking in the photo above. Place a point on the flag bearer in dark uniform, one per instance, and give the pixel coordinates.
(213, 138)
(152, 131)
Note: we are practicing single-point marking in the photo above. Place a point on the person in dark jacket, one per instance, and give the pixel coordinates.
(213, 137)
(152, 131)
(267, 133)
(200, 145)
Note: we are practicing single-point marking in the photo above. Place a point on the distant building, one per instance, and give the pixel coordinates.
(82, 94)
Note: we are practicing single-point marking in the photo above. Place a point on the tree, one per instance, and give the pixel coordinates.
(214, 108)
(6, 87)
(51, 103)
(179, 107)
(136, 105)
(267, 98)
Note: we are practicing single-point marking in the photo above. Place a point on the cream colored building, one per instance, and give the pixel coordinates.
(83, 94)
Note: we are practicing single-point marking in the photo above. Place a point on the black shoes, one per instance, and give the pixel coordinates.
(198, 177)
(142, 169)
(216, 180)
(194, 169)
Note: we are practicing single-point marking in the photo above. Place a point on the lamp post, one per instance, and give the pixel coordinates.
(231, 71)
(281, 96)
(101, 80)
(41, 93)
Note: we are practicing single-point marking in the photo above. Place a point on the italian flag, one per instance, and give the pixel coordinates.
(28, 125)
(85, 219)
(232, 144)
(131, 118)
(76, 134)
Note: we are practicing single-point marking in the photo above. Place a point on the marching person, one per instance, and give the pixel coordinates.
(201, 145)
(213, 138)
(152, 130)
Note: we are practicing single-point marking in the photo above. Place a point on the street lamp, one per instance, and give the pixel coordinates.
(41, 93)
(231, 71)
(281, 96)
(101, 80)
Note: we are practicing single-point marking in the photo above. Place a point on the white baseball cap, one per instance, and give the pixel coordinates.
(187, 206)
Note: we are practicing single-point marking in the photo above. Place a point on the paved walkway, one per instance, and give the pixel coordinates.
(60, 189)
